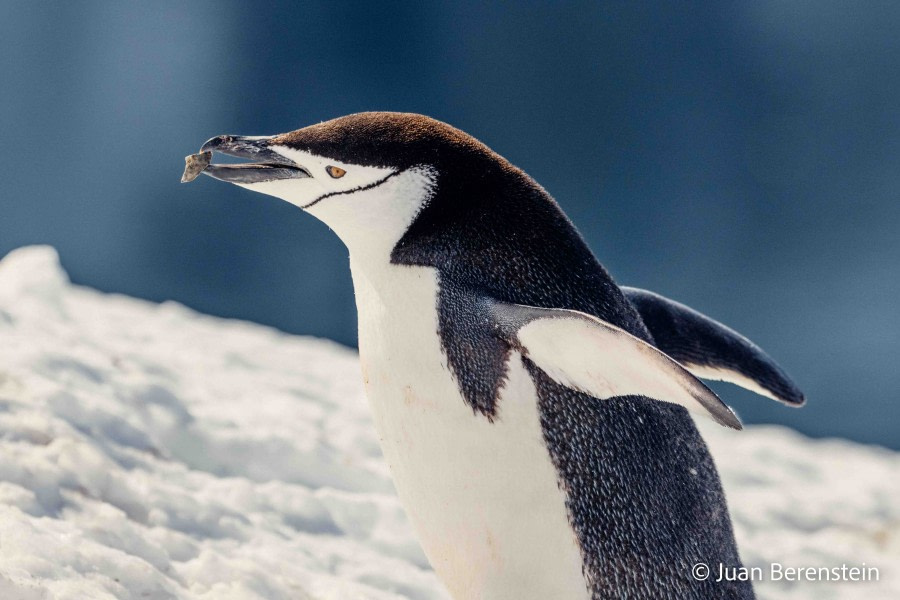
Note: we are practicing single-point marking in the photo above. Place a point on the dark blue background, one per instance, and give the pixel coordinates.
(743, 158)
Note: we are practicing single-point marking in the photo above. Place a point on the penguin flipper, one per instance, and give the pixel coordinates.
(710, 350)
(594, 357)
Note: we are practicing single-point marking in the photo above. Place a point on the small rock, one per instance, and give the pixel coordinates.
(195, 164)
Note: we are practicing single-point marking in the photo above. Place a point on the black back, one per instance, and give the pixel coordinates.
(643, 494)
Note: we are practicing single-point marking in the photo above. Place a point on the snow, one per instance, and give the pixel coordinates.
(148, 451)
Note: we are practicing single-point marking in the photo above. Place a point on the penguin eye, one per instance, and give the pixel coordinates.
(335, 172)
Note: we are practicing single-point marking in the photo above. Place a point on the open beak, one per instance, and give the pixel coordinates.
(266, 165)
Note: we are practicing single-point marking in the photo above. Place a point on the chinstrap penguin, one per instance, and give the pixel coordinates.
(532, 412)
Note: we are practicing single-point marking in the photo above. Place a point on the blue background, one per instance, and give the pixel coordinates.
(743, 158)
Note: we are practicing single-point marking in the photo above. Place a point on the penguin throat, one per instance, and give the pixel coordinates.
(372, 219)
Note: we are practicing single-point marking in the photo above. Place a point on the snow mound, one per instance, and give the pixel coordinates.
(147, 451)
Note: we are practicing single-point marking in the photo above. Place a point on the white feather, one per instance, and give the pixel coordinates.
(483, 497)
(720, 374)
(587, 354)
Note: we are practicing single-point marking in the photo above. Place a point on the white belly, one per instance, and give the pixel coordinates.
(483, 497)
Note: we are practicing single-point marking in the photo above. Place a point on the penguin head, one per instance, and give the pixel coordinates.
(367, 176)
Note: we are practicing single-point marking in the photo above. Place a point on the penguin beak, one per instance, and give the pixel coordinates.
(267, 164)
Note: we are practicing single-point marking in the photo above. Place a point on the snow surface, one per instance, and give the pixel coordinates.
(148, 451)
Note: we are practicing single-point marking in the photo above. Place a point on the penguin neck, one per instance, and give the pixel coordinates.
(371, 221)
